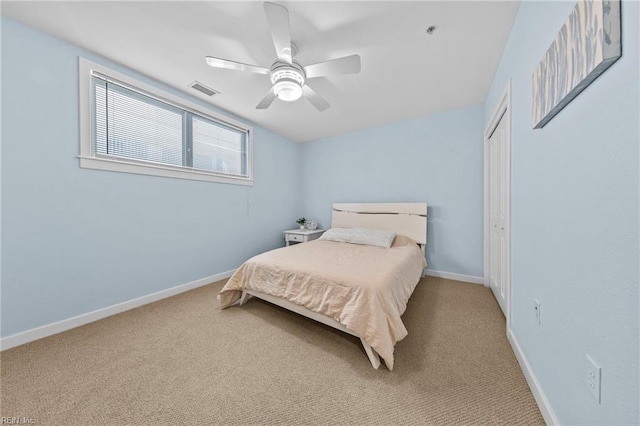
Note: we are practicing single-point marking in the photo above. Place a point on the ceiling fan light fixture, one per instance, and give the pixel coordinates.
(287, 82)
(287, 90)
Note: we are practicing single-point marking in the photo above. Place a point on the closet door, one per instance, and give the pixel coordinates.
(499, 193)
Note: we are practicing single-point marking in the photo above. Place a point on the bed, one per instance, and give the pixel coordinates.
(359, 289)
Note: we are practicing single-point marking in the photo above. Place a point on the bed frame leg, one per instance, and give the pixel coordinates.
(373, 356)
(243, 298)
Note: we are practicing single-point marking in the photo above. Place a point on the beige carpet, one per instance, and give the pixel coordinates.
(183, 361)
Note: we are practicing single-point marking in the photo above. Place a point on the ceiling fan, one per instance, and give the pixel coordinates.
(289, 77)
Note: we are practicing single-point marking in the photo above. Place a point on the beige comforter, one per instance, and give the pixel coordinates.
(365, 288)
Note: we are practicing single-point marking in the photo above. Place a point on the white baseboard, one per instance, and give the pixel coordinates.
(538, 394)
(69, 323)
(455, 277)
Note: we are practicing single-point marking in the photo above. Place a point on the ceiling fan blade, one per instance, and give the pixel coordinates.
(345, 65)
(278, 20)
(267, 100)
(316, 100)
(238, 66)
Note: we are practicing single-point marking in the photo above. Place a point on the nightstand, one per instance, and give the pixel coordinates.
(301, 235)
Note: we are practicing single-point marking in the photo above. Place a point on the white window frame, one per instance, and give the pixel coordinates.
(89, 159)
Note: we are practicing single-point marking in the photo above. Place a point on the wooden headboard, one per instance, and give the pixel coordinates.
(408, 219)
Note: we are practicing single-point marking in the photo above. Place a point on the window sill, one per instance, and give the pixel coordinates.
(121, 166)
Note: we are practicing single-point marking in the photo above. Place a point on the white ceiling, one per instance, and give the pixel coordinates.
(405, 72)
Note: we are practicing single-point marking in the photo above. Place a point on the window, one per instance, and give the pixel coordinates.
(129, 126)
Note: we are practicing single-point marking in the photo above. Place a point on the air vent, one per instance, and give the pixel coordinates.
(204, 89)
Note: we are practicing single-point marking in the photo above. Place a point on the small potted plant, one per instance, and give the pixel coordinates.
(301, 221)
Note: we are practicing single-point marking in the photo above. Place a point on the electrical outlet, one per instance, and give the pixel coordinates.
(536, 308)
(594, 377)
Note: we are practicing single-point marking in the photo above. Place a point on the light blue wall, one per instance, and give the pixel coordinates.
(435, 159)
(575, 223)
(76, 240)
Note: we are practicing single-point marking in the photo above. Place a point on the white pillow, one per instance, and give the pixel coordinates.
(366, 236)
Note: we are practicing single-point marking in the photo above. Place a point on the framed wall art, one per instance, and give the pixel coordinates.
(588, 43)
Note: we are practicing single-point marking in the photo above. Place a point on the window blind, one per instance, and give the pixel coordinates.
(133, 125)
(217, 148)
